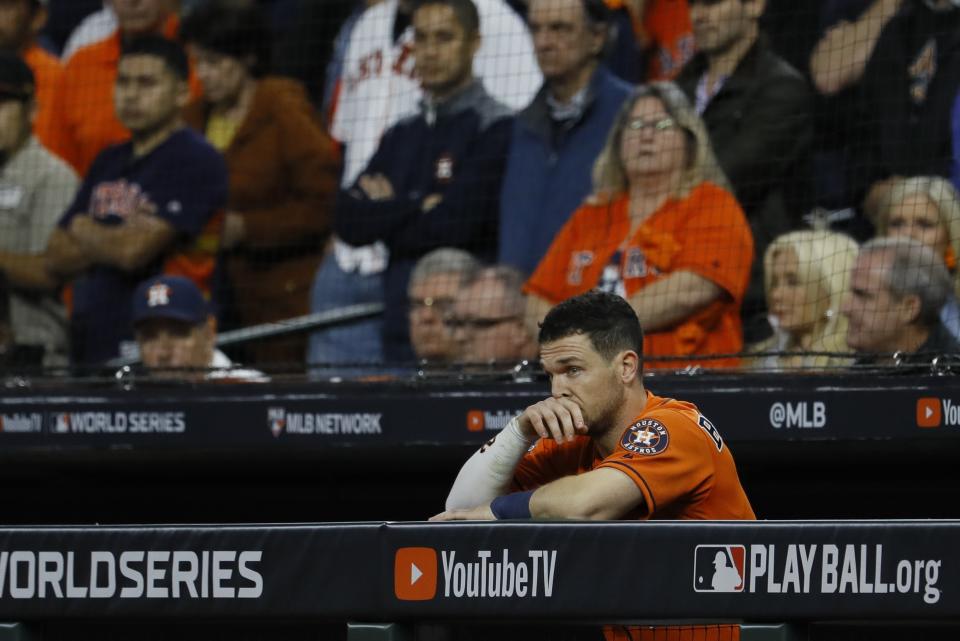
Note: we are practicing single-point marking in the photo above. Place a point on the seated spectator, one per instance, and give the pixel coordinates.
(149, 206)
(758, 111)
(378, 87)
(897, 288)
(557, 138)
(176, 333)
(926, 209)
(21, 22)
(807, 275)
(487, 320)
(85, 121)
(905, 99)
(447, 198)
(35, 189)
(435, 283)
(283, 173)
(660, 231)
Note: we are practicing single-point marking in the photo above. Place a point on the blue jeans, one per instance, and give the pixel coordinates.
(333, 350)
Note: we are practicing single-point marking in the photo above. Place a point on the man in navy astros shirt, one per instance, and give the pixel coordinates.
(152, 205)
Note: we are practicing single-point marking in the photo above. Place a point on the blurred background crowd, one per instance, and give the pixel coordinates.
(371, 189)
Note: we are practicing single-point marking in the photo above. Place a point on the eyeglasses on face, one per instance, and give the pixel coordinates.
(476, 323)
(659, 124)
(439, 303)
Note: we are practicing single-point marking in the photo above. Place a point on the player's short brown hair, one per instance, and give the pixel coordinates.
(606, 319)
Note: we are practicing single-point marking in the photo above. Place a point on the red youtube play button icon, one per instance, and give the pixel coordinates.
(415, 574)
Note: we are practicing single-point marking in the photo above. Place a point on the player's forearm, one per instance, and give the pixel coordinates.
(488, 473)
(567, 498)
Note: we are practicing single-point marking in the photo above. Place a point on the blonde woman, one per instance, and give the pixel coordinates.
(806, 275)
(927, 209)
(661, 230)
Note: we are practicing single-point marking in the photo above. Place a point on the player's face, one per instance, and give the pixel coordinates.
(442, 49)
(14, 124)
(140, 16)
(917, 217)
(719, 24)
(147, 95)
(484, 326)
(431, 299)
(172, 344)
(223, 77)
(794, 301)
(652, 142)
(876, 318)
(578, 372)
(564, 41)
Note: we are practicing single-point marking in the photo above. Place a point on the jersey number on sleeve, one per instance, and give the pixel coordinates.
(711, 432)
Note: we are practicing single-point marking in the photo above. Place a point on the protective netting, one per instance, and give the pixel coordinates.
(396, 188)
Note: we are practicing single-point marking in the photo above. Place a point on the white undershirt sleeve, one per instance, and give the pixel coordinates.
(487, 474)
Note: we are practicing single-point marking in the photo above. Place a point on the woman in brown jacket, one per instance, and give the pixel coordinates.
(283, 173)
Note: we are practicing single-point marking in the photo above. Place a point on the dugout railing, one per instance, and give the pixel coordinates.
(377, 574)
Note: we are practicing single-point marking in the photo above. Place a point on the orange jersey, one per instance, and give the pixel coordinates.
(674, 455)
(47, 71)
(85, 121)
(705, 233)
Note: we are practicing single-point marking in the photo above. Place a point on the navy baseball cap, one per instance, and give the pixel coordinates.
(169, 297)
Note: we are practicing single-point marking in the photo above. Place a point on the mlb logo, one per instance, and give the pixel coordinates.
(61, 424)
(276, 420)
(719, 568)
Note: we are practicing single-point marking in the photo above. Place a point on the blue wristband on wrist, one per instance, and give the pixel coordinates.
(512, 506)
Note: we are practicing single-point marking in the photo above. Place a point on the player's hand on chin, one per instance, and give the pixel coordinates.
(479, 513)
(558, 418)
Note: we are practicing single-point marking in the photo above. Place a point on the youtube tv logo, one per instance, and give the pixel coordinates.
(928, 412)
(415, 574)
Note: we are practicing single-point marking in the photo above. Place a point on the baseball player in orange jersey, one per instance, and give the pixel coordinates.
(602, 446)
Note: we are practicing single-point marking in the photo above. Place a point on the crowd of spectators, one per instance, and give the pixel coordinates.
(468, 165)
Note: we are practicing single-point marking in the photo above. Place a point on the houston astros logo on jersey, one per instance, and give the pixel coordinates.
(646, 436)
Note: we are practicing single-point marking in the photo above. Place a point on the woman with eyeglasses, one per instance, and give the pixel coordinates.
(662, 230)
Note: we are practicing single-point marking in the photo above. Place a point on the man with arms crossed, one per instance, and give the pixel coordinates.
(603, 447)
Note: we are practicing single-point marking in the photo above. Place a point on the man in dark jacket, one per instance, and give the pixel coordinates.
(434, 180)
(758, 111)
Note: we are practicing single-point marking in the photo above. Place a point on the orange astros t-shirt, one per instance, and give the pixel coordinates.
(705, 233)
(674, 455)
